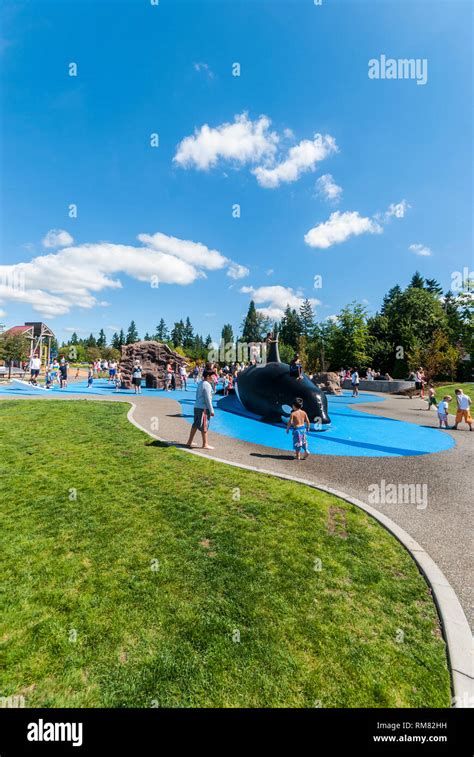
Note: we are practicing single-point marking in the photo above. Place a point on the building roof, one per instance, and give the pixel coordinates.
(19, 330)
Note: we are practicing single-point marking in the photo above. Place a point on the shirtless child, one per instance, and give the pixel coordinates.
(299, 423)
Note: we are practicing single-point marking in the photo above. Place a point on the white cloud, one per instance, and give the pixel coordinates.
(2, 313)
(236, 271)
(276, 298)
(57, 238)
(328, 188)
(192, 252)
(420, 249)
(205, 68)
(340, 227)
(301, 158)
(71, 277)
(270, 272)
(244, 141)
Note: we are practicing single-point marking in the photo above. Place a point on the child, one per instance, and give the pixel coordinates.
(443, 411)
(299, 422)
(90, 376)
(463, 402)
(118, 380)
(431, 397)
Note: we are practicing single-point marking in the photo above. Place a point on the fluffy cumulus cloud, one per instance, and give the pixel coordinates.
(340, 227)
(73, 276)
(243, 141)
(275, 299)
(420, 249)
(57, 238)
(252, 142)
(301, 158)
(327, 188)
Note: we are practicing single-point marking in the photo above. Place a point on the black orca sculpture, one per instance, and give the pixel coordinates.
(268, 390)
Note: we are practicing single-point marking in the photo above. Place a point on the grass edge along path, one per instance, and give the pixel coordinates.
(137, 575)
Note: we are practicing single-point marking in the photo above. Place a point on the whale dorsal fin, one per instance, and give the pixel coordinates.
(273, 354)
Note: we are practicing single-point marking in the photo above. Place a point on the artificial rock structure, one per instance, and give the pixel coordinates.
(328, 382)
(153, 357)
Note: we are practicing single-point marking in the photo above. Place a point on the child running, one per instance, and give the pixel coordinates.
(431, 397)
(443, 411)
(299, 422)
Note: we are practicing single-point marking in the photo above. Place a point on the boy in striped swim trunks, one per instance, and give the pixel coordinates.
(299, 423)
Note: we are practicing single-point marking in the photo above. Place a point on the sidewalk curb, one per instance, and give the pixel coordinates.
(456, 630)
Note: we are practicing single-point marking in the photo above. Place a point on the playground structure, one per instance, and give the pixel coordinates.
(269, 390)
(153, 357)
(40, 337)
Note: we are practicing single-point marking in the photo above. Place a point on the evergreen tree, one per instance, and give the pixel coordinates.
(208, 342)
(74, 339)
(307, 319)
(227, 334)
(188, 334)
(177, 334)
(290, 327)
(433, 286)
(162, 333)
(116, 343)
(132, 334)
(250, 326)
(102, 340)
(417, 281)
(91, 341)
(121, 338)
(147, 337)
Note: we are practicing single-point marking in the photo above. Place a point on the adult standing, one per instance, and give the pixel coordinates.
(35, 367)
(168, 376)
(137, 376)
(355, 382)
(203, 410)
(184, 377)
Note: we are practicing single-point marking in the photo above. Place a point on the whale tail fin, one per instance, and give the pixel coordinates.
(273, 354)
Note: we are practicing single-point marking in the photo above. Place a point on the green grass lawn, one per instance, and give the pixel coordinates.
(441, 391)
(88, 622)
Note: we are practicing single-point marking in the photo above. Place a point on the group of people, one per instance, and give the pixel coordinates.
(56, 372)
(463, 408)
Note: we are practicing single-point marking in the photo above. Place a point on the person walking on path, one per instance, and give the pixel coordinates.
(463, 412)
(431, 397)
(299, 423)
(137, 376)
(355, 382)
(203, 410)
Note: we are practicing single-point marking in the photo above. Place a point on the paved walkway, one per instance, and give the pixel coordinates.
(443, 528)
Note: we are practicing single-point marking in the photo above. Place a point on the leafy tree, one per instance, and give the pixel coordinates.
(132, 334)
(439, 358)
(13, 348)
(350, 342)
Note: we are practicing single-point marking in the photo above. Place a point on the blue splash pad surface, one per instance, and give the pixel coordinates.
(352, 433)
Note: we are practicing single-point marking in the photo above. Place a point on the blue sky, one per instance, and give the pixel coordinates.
(400, 153)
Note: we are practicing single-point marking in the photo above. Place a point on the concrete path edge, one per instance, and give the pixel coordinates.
(456, 630)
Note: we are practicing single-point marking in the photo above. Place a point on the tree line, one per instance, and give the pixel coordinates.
(417, 325)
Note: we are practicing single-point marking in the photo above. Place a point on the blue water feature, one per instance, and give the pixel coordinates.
(352, 432)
